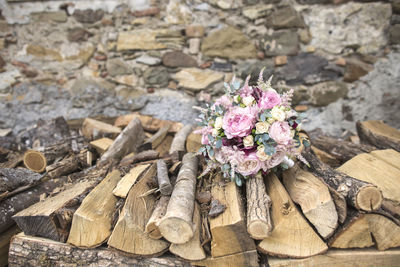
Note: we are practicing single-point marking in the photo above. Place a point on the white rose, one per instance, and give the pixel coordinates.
(248, 100)
(261, 155)
(278, 114)
(215, 132)
(218, 123)
(262, 127)
(248, 141)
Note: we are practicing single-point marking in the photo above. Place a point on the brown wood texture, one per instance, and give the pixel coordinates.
(101, 145)
(67, 165)
(193, 142)
(5, 243)
(94, 129)
(178, 147)
(139, 157)
(149, 123)
(158, 213)
(155, 140)
(378, 134)
(247, 258)
(126, 182)
(163, 179)
(11, 179)
(35, 161)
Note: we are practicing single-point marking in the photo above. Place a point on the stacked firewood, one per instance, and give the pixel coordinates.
(129, 188)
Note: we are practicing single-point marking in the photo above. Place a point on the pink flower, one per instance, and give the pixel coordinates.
(205, 131)
(223, 101)
(275, 160)
(248, 164)
(280, 132)
(269, 99)
(238, 122)
(246, 90)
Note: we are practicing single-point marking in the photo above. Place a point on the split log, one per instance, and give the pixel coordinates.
(191, 250)
(372, 170)
(10, 159)
(36, 251)
(101, 145)
(14, 204)
(164, 147)
(142, 156)
(385, 232)
(258, 204)
(178, 148)
(314, 199)
(91, 223)
(177, 225)
(67, 165)
(193, 142)
(49, 218)
(129, 233)
(127, 141)
(162, 177)
(378, 134)
(341, 150)
(358, 194)
(389, 156)
(94, 129)
(326, 157)
(5, 243)
(343, 258)
(158, 213)
(292, 236)
(126, 182)
(340, 204)
(155, 140)
(149, 123)
(11, 179)
(229, 231)
(247, 258)
(35, 161)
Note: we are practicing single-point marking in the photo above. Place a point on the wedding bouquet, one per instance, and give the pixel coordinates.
(250, 130)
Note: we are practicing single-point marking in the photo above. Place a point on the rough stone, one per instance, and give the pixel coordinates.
(336, 27)
(2, 62)
(178, 59)
(157, 76)
(197, 79)
(194, 31)
(116, 66)
(305, 36)
(228, 43)
(253, 69)
(74, 52)
(280, 43)
(43, 52)
(280, 60)
(226, 4)
(220, 66)
(56, 16)
(88, 15)
(152, 11)
(2, 43)
(285, 17)
(148, 60)
(7, 79)
(128, 92)
(355, 69)
(194, 45)
(257, 11)
(78, 35)
(130, 80)
(178, 12)
(396, 6)
(145, 39)
(322, 94)
(395, 19)
(394, 33)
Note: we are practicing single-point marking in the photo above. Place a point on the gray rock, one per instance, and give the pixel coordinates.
(355, 69)
(285, 17)
(283, 42)
(157, 76)
(254, 68)
(78, 34)
(116, 66)
(88, 15)
(394, 32)
(257, 11)
(322, 94)
(56, 16)
(178, 59)
(220, 66)
(148, 60)
(7, 79)
(395, 19)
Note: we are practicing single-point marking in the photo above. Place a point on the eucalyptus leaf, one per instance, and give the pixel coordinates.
(218, 144)
(238, 180)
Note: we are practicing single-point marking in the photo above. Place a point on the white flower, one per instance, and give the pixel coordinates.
(218, 123)
(278, 114)
(261, 155)
(248, 141)
(236, 98)
(270, 120)
(262, 127)
(215, 132)
(248, 100)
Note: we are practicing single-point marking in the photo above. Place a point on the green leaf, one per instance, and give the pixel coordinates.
(236, 84)
(211, 152)
(263, 117)
(210, 138)
(269, 150)
(218, 144)
(306, 143)
(265, 137)
(202, 149)
(238, 180)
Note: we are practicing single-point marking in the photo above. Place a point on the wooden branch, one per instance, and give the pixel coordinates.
(35, 251)
(314, 199)
(35, 161)
(11, 179)
(164, 147)
(292, 236)
(178, 143)
(340, 204)
(177, 225)
(101, 145)
(140, 157)
(343, 258)
(149, 123)
(127, 141)
(162, 177)
(94, 129)
(129, 233)
(229, 227)
(95, 213)
(193, 142)
(156, 139)
(326, 157)
(68, 165)
(247, 258)
(372, 170)
(5, 243)
(378, 134)
(358, 194)
(258, 204)
(47, 218)
(191, 250)
(125, 184)
(158, 213)
(12, 205)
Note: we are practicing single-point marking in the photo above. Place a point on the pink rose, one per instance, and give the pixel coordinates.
(223, 101)
(280, 132)
(275, 160)
(238, 122)
(248, 165)
(269, 99)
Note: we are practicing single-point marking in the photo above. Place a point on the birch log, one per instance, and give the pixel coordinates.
(178, 147)
(158, 213)
(162, 177)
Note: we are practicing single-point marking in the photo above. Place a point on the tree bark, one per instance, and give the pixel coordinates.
(11, 179)
(141, 156)
(258, 204)
(68, 165)
(162, 177)
(94, 129)
(378, 134)
(358, 194)
(177, 224)
(178, 143)
(5, 243)
(156, 139)
(158, 213)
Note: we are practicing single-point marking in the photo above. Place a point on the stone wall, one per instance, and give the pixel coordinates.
(162, 57)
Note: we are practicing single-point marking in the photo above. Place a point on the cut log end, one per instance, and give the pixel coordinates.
(176, 230)
(35, 161)
(369, 198)
(259, 229)
(153, 231)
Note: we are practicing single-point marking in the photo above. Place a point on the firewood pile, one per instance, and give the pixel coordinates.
(125, 191)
